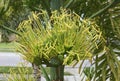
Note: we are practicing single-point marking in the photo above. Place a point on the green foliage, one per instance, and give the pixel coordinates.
(11, 14)
(7, 45)
(114, 18)
(89, 73)
(58, 40)
(32, 5)
(45, 73)
(107, 64)
(7, 69)
(21, 75)
(3, 7)
(108, 21)
(63, 34)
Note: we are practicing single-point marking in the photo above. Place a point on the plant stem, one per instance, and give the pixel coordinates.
(36, 72)
(9, 29)
(45, 73)
(57, 73)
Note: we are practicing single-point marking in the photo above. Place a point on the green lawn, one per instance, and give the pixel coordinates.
(7, 46)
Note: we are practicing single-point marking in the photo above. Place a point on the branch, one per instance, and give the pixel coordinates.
(68, 3)
(9, 29)
(114, 2)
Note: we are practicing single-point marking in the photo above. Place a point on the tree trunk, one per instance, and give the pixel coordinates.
(57, 73)
(36, 72)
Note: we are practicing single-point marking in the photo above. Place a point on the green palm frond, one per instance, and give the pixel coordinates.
(3, 6)
(106, 60)
(115, 19)
(107, 66)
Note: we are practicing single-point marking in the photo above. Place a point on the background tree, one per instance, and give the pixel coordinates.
(11, 13)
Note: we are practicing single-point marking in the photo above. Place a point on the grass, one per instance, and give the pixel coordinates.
(7, 70)
(7, 47)
(20, 73)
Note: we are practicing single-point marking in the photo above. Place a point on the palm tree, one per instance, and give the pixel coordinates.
(62, 40)
(106, 14)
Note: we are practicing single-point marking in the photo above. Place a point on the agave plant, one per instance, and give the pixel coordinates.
(56, 41)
